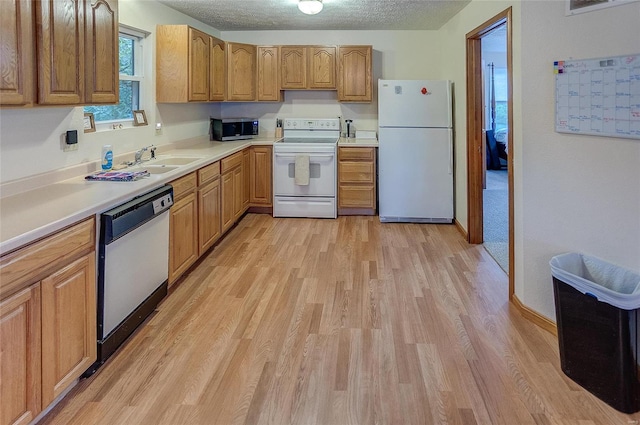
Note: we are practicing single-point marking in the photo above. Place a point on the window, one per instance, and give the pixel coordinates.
(131, 79)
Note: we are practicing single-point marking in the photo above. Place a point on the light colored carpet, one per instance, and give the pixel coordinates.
(496, 217)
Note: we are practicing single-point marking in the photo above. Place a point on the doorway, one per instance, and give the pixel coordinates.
(479, 120)
(495, 207)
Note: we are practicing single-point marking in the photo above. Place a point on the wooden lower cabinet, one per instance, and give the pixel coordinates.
(47, 320)
(232, 189)
(209, 215)
(356, 181)
(227, 192)
(261, 180)
(68, 325)
(183, 236)
(238, 192)
(246, 179)
(20, 363)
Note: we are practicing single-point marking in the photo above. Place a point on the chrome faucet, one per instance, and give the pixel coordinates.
(138, 154)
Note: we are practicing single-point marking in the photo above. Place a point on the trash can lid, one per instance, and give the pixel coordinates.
(607, 282)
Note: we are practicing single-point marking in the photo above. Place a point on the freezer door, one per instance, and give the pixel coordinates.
(416, 175)
(402, 103)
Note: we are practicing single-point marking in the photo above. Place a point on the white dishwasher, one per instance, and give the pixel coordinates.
(133, 267)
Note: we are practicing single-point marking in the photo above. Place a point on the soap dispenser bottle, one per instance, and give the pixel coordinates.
(107, 158)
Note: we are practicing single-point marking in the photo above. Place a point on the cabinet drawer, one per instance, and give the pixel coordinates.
(35, 261)
(183, 185)
(208, 173)
(365, 154)
(356, 172)
(356, 197)
(231, 162)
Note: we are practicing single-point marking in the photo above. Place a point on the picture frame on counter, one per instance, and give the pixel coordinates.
(139, 118)
(89, 123)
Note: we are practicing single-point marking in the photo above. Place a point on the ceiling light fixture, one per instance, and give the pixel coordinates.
(310, 7)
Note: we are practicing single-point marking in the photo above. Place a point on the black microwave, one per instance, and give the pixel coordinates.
(233, 128)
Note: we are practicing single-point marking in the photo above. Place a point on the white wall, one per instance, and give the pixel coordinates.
(396, 55)
(579, 193)
(31, 139)
(572, 193)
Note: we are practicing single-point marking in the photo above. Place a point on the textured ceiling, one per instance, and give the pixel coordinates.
(239, 15)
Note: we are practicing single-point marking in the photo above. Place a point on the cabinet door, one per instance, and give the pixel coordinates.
(350, 196)
(238, 192)
(209, 214)
(227, 192)
(101, 52)
(16, 52)
(60, 46)
(183, 236)
(246, 182)
(217, 69)
(198, 65)
(293, 68)
(261, 180)
(68, 325)
(21, 354)
(268, 74)
(241, 71)
(354, 73)
(322, 67)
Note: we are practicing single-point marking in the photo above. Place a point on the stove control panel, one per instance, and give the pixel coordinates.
(312, 124)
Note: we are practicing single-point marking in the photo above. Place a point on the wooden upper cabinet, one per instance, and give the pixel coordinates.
(354, 73)
(199, 51)
(182, 64)
(322, 67)
(101, 52)
(241, 72)
(217, 69)
(16, 52)
(308, 67)
(60, 48)
(269, 74)
(293, 67)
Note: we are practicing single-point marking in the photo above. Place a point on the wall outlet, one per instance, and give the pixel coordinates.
(69, 141)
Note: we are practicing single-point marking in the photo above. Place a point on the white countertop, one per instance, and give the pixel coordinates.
(355, 142)
(33, 213)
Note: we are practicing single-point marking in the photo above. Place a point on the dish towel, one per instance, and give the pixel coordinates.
(118, 176)
(302, 170)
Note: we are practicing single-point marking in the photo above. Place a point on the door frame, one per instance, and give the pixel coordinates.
(475, 124)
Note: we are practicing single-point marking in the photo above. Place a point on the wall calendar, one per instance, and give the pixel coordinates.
(599, 97)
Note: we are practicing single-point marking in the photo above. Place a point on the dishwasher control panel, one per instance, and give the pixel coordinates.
(162, 203)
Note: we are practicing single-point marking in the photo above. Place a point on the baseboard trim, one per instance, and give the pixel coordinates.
(463, 232)
(534, 317)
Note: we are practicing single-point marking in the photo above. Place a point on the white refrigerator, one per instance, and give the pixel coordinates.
(415, 154)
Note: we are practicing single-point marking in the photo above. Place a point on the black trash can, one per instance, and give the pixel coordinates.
(598, 324)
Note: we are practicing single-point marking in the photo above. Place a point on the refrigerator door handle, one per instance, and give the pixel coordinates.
(450, 157)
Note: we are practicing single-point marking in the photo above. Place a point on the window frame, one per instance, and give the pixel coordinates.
(138, 36)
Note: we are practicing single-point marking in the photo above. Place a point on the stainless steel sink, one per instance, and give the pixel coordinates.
(174, 160)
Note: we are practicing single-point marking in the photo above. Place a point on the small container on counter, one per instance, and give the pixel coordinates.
(107, 157)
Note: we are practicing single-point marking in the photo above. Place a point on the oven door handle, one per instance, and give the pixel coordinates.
(314, 155)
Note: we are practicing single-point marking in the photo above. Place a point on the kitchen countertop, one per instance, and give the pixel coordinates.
(355, 142)
(29, 214)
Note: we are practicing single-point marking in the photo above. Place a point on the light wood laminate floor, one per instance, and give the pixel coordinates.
(347, 321)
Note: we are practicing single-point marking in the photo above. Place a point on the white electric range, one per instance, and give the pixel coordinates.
(317, 140)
